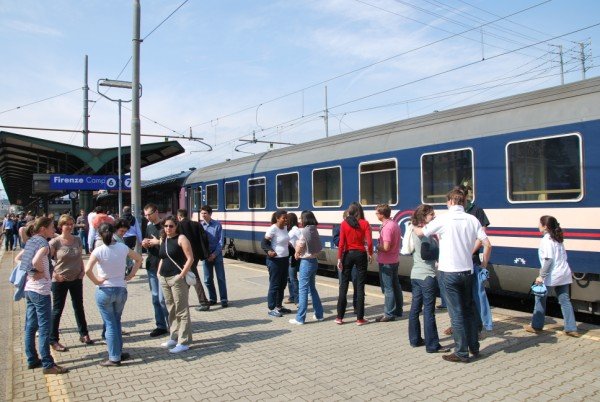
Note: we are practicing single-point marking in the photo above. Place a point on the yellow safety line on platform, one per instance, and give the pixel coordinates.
(57, 389)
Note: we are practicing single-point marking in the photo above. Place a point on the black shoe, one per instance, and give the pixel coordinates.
(224, 304)
(158, 332)
(385, 318)
(419, 343)
(35, 364)
(110, 363)
(284, 310)
(454, 358)
(212, 302)
(125, 356)
(440, 307)
(204, 307)
(441, 349)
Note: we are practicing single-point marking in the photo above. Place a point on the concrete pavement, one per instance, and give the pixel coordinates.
(239, 353)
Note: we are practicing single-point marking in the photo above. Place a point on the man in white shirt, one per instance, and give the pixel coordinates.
(458, 233)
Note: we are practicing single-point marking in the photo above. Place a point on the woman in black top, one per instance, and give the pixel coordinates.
(176, 259)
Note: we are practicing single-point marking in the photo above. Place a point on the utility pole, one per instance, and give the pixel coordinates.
(582, 56)
(136, 173)
(85, 196)
(85, 103)
(326, 117)
(562, 66)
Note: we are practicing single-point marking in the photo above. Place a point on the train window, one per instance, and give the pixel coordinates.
(257, 193)
(327, 187)
(212, 195)
(287, 190)
(378, 182)
(441, 171)
(197, 199)
(545, 169)
(232, 195)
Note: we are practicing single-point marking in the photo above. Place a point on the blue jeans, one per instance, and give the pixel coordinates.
(308, 272)
(278, 273)
(390, 287)
(423, 297)
(111, 302)
(158, 300)
(539, 311)
(481, 301)
(442, 293)
(293, 283)
(38, 318)
(210, 268)
(463, 315)
(84, 240)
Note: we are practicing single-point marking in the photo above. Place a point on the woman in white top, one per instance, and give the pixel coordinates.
(275, 245)
(111, 291)
(555, 273)
(294, 233)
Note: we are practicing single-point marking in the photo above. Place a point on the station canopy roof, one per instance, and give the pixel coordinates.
(22, 156)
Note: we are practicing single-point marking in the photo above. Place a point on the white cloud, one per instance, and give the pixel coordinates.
(32, 28)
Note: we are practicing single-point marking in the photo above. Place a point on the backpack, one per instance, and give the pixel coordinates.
(205, 249)
(408, 245)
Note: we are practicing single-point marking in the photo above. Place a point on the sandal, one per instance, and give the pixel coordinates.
(86, 339)
(58, 347)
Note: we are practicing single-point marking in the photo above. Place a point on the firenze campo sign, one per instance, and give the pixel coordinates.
(74, 182)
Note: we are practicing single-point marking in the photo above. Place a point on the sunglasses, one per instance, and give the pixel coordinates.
(169, 226)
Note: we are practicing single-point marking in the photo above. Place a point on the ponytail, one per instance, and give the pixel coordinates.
(106, 231)
(553, 228)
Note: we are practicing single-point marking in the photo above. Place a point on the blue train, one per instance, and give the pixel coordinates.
(524, 156)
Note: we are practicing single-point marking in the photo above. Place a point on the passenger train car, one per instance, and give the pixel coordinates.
(524, 156)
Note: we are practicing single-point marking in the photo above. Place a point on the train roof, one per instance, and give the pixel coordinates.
(547, 107)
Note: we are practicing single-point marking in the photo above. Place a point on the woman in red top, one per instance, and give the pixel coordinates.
(355, 231)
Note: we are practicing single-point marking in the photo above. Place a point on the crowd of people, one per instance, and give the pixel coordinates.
(450, 257)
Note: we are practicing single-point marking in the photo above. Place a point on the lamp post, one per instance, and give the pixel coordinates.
(124, 85)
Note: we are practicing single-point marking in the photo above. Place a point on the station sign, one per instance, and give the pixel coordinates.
(79, 182)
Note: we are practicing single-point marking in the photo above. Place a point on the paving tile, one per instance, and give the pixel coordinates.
(240, 354)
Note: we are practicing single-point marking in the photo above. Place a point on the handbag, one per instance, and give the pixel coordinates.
(539, 290)
(190, 278)
(18, 277)
(408, 245)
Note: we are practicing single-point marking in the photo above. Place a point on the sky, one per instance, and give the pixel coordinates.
(231, 68)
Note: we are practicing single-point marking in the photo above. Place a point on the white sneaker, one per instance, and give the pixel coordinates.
(293, 321)
(179, 348)
(168, 344)
(317, 319)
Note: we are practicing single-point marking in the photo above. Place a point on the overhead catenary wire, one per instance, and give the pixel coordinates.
(40, 101)
(315, 113)
(369, 65)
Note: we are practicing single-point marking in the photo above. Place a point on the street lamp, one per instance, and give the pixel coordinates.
(123, 85)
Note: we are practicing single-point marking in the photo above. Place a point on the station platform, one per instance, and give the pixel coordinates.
(240, 353)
